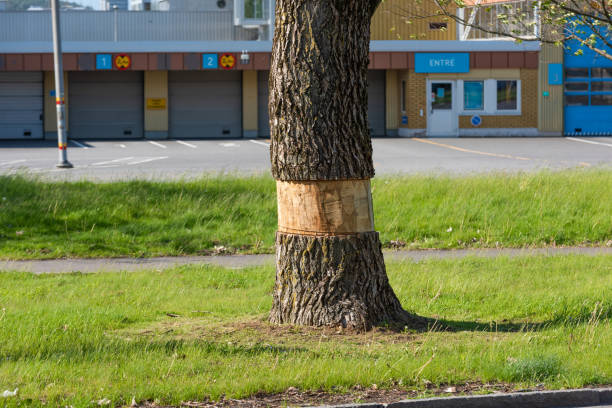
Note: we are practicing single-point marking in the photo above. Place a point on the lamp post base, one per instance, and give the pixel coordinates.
(64, 165)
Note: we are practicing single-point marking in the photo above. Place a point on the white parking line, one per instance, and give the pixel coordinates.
(122, 146)
(158, 144)
(148, 160)
(11, 162)
(260, 143)
(186, 144)
(588, 141)
(112, 161)
(81, 145)
(229, 144)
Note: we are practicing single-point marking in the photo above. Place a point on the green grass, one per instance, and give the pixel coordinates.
(146, 218)
(72, 339)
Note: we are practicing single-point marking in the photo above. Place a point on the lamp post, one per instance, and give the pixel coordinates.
(62, 140)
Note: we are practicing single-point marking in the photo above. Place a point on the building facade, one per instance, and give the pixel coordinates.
(204, 73)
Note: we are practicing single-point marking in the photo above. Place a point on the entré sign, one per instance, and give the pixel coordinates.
(442, 62)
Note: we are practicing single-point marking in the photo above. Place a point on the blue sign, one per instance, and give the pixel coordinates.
(210, 61)
(404, 120)
(52, 93)
(442, 62)
(476, 120)
(555, 74)
(104, 61)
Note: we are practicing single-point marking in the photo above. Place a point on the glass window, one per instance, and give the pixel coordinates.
(601, 72)
(507, 97)
(253, 9)
(576, 73)
(601, 99)
(601, 86)
(576, 86)
(441, 96)
(576, 100)
(473, 95)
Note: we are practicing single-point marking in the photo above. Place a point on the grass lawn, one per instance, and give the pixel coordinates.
(144, 218)
(199, 332)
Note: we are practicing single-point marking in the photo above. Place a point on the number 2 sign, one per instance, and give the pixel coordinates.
(210, 61)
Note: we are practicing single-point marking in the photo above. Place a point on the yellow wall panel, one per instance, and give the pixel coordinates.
(249, 103)
(409, 20)
(392, 110)
(49, 110)
(550, 118)
(156, 101)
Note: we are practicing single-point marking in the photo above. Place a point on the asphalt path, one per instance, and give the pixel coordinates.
(52, 266)
(176, 159)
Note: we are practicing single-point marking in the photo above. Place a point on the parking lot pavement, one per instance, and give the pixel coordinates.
(164, 159)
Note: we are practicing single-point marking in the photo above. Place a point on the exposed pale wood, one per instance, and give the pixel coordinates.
(325, 207)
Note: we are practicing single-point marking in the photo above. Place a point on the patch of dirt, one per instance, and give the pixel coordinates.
(293, 397)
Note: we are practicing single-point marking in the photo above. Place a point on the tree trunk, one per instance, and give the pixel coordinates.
(330, 268)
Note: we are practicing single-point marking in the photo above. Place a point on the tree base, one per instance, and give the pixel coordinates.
(335, 281)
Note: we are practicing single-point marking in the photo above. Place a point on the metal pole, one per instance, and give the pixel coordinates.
(115, 22)
(62, 140)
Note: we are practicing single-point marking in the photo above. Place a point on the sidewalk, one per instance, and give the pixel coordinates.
(241, 261)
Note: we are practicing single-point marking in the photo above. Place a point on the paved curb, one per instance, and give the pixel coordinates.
(536, 399)
(240, 261)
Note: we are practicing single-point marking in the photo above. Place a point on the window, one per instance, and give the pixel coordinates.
(490, 96)
(473, 95)
(601, 73)
(507, 96)
(437, 26)
(576, 100)
(601, 86)
(403, 97)
(253, 9)
(601, 100)
(576, 86)
(588, 86)
(576, 73)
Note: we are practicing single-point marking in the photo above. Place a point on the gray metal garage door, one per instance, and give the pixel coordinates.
(21, 105)
(106, 105)
(205, 104)
(376, 103)
(263, 118)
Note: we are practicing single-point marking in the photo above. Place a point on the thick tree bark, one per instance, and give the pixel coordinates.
(333, 281)
(331, 274)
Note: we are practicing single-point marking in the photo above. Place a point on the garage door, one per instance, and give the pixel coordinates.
(263, 122)
(205, 104)
(588, 101)
(376, 103)
(21, 105)
(106, 105)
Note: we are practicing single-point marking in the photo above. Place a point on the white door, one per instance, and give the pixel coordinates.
(442, 117)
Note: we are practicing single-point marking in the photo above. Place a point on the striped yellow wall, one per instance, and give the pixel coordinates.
(550, 117)
(156, 120)
(392, 21)
(49, 111)
(249, 104)
(392, 108)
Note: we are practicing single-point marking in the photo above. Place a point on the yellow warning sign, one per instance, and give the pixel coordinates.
(227, 61)
(156, 103)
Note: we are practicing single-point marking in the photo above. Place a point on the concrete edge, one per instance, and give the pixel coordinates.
(533, 399)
